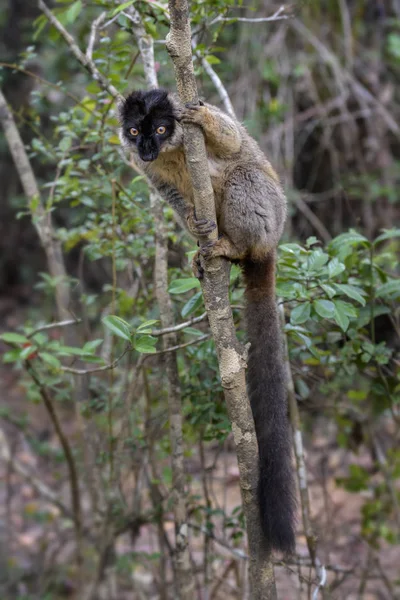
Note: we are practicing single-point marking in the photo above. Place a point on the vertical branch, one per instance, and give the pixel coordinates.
(69, 457)
(183, 569)
(40, 218)
(215, 284)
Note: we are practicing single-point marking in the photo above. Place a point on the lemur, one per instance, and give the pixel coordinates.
(251, 210)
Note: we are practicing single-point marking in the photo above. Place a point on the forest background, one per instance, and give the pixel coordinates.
(89, 497)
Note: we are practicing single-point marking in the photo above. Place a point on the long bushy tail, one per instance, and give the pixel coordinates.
(267, 392)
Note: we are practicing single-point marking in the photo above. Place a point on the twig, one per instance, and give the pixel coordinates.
(277, 16)
(53, 326)
(77, 52)
(313, 219)
(235, 551)
(73, 474)
(179, 327)
(93, 30)
(37, 484)
(40, 218)
(96, 369)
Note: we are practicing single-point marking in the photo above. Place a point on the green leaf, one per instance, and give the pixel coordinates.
(347, 308)
(317, 260)
(389, 290)
(351, 291)
(301, 313)
(118, 326)
(145, 344)
(14, 338)
(350, 238)
(147, 326)
(193, 331)
(90, 347)
(324, 308)
(387, 235)
(191, 305)
(179, 286)
(73, 12)
(340, 316)
(122, 7)
(70, 351)
(50, 360)
(26, 352)
(212, 60)
(335, 267)
(65, 144)
(329, 290)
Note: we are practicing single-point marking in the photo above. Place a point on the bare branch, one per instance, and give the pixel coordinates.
(96, 369)
(40, 218)
(175, 328)
(54, 325)
(38, 485)
(93, 31)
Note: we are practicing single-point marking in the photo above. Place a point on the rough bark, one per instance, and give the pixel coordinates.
(215, 285)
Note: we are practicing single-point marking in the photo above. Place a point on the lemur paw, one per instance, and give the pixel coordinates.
(193, 113)
(199, 227)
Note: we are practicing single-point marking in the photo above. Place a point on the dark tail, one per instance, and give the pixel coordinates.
(267, 392)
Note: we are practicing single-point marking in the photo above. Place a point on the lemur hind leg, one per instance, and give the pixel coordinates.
(252, 215)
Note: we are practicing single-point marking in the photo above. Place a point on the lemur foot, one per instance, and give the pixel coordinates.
(199, 227)
(210, 249)
(197, 268)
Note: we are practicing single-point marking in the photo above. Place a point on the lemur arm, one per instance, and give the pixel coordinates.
(174, 199)
(221, 132)
(186, 211)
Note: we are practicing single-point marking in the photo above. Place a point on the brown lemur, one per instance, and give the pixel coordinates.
(251, 211)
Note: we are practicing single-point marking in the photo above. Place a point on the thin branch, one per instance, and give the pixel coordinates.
(77, 52)
(277, 16)
(313, 219)
(38, 485)
(175, 328)
(69, 457)
(96, 369)
(40, 218)
(93, 31)
(53, 326)
(185, 345)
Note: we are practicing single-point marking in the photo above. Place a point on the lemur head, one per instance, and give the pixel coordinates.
(149, 123)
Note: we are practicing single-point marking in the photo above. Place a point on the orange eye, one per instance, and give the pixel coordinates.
(161, 130)
(133, 131)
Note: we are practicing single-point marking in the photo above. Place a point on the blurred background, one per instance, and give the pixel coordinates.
(318, 87)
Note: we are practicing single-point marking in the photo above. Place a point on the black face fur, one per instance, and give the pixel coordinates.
(146, 112)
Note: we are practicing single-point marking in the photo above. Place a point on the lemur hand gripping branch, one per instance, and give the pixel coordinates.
(251, 211)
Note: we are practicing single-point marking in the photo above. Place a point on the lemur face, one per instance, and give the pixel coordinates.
(148, 121)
